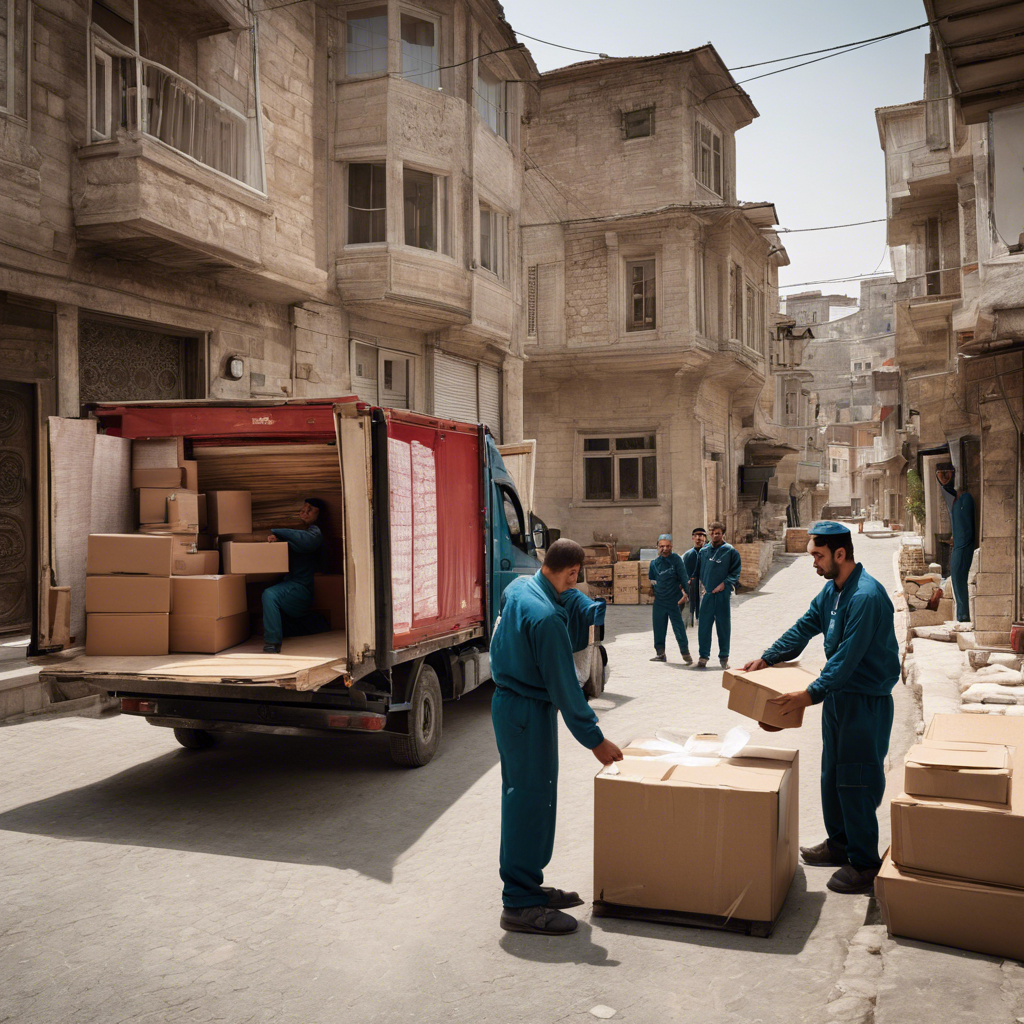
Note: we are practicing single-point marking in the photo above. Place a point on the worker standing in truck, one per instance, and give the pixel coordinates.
(293, 596)
(542, 618)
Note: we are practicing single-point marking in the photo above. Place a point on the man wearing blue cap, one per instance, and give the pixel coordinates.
(719, 567)
(854, 613)
(691, 563)
(669, 582)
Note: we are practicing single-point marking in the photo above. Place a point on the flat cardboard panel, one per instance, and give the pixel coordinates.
(190, 474)
(153, 504)
(1006, 729)
(126, 635)
(952, 769)
(229, 512)
(199, 563)
(164, 453)
(241, 557)
(164, 476)
(200, 634)
(212, 597)
(980, 918)
(127, 594)
(749, 693)
(132, 553)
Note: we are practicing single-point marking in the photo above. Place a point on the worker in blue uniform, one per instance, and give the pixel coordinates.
(961, 520)
(719, 569)
(293, 596)
(854, 613)
(691, 563)
(542, 619)
(669, 581)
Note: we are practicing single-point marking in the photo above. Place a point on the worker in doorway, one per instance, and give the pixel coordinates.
(535, 678)
(293, 596)
(691, 563)
(854, 613)
(961, 521)
(719, 569)
(669, 582)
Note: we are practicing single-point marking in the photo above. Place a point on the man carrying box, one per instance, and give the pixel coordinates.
(669, 579)
(855, 614)
(293, 596)
(543, 619)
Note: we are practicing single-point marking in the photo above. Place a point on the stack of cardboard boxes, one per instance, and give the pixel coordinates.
(646, 583)
(626, 582)
(597, 571)
(955, 872)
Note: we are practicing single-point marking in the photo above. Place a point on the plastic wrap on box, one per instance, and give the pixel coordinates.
(424, 533)
(400, 477)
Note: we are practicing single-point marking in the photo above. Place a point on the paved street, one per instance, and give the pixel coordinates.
(310, 880)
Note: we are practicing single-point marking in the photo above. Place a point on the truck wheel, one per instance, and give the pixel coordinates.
(420, 745)
(594, 686)
(194, 739)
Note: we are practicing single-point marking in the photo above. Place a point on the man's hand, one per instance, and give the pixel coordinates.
(787, 703)
(271, 538)
(606, 752)
(683, 600)
(718, 589)
(755, 666)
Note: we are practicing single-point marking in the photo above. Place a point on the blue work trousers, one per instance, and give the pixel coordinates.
(715, 611)
(286, 598)
(526, 731)
(959, 566)
(855, 731)
(664, 612)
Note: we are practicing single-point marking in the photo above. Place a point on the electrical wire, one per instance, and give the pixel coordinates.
(560, 46)
(828, 227)
(827, 49)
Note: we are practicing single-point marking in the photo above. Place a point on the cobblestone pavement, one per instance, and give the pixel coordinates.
(285, 879)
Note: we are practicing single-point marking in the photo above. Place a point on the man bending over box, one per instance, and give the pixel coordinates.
(293, 596)
(855, 691)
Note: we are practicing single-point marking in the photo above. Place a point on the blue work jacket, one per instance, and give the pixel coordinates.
(668, 574)
(719, 565)
(860, 640)
(961, 518)
(303, 554)
(691, 562)
(532, 647)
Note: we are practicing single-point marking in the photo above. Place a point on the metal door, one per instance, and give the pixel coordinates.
(17, 521)
(455, 389)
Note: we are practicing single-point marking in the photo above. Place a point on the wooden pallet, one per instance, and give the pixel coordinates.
(760, 929)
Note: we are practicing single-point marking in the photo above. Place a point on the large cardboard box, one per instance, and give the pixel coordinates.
(126, 594)
(229, 512)
(126, 635)
(157, 476)
(183, 510)
(133, 553)
(197, 563)
(1005, 729)
(952, 769)
(980, 918)
(243, 557)
(212, 597)
(163, 452)
(598, 573)
(200, 634)
(203, 519)
(749, 693)
(153, 504)
(720, 839)
(329, 599)
(190, 474)
(626, 582)
(599, 554)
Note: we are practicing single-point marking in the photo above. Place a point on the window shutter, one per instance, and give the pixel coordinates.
(455, 388)
(490, 399)
(531, 302)
(548, 311)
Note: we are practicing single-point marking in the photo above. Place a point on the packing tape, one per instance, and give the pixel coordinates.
(731, 909)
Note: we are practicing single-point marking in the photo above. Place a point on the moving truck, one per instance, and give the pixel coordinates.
(424, 529)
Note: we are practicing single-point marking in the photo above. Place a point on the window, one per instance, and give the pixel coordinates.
(367, 203)
(638, 124)
(750, 320)
(494, 242)
(737, 302)
(620, 468)
(932, 257)
(419, 51)
(531, 302)
(699, 295)
(492, 102)
(791, 404)
(641, 314)
(381, 376)
(867, 365)
(13, 58)
(835, 465)
(858, 366)
(707, 156)
(366, 42)
(425, 202)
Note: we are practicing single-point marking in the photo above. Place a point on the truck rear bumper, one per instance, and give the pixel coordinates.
(272, 730)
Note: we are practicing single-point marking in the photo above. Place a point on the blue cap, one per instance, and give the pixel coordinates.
(665, 536)
(827, 528)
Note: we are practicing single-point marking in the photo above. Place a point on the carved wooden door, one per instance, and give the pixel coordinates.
(17, 525)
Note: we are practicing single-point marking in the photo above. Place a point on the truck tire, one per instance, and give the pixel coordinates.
(194, 739)
(419, 746)
(594, 686)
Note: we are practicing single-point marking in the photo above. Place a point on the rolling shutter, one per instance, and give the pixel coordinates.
(490, 399)
(455, 388)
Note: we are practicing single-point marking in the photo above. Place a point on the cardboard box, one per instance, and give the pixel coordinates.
(980, 918)
(200, 634)
(720, 839)
(229, 512)
(203, 521)
(627, 572)
(598, 573)
(749, 693)
(952, 769)
(190, 474)
(153, 504)
(164, 452)
(183, 510)
(126, 635)
(1005, 729)
(127, 594)
(212, 596)
(158, 476)
(242, 557)
(132, 553)
(329, 599)
(198, 563)
(599, 554)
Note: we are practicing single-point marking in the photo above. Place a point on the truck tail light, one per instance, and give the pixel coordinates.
(368, 723)
(135, 706)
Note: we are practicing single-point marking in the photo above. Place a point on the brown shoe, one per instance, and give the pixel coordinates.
(851, 881)
(826, 854)
(560, 899)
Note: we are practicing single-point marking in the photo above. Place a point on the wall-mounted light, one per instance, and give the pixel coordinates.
(235, 368)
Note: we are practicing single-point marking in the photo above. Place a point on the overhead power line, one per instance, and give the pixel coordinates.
(560, 46)
(827, 227)
(827, 49)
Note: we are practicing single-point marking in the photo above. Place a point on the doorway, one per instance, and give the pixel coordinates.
(17, 508)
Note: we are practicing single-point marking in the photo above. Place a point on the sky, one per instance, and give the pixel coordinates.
(814, 150)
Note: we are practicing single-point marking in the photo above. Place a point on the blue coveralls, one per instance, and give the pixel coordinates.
(535, 678)
(293, 596)
(961, 519)
(669, 579)
(691, 561)
(854, 689)
(717, 565)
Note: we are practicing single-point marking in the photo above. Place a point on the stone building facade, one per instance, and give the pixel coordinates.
(650, 298)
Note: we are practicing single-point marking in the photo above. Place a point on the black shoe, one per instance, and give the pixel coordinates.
(658, 657)
(559, 899)
(851, 881)
(826, 854)
(538, 921)
(724, 662)
(702, 663)
(271, 648)
(687, 659)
